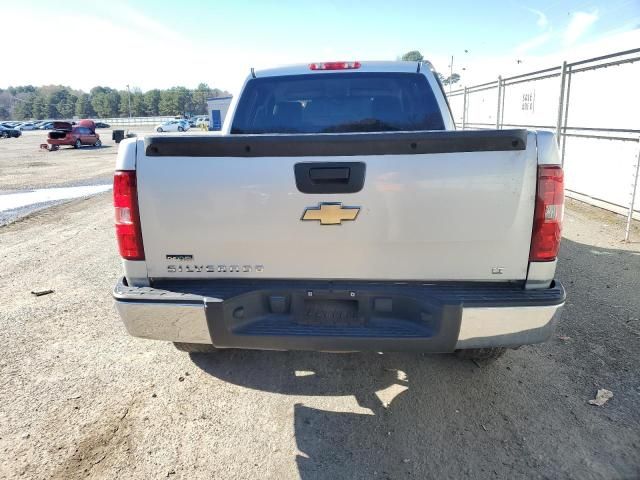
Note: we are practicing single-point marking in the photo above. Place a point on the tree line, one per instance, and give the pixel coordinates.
(60, 102)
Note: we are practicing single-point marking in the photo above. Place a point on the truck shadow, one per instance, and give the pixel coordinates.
(436, 416)
(393, 394)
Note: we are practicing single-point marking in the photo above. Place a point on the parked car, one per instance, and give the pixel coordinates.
(27, 126)
(202, 121)
(196, 120)
(46, 126)
(341, 210)
(102, 125)
(84, 133)
(173, 126)
(6, 132)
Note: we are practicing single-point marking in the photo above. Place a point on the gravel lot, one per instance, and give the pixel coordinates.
(81, 399)
(24, 165)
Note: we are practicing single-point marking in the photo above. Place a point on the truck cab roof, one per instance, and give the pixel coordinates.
(365, 66)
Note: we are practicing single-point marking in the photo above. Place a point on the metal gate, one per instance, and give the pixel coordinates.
(600, 148)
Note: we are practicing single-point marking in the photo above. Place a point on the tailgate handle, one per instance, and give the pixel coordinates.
(330, 177)
(327, 175)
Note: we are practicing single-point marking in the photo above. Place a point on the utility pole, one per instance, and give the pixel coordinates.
(129, 98)
(450, 73)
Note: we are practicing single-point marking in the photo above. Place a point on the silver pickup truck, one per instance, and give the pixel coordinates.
(340, 210)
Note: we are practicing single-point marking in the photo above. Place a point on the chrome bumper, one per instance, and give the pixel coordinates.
(175, 322)
(160, 315)
(507, 326)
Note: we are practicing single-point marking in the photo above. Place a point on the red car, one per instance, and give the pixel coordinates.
(83, 133)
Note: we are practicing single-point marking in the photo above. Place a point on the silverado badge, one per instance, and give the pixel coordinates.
(330, 213)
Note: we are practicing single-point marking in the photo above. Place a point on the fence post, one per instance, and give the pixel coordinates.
(566, 115)
(499, 102)
(561, 101)
(627, 230)
(464, 109)
(504, 93)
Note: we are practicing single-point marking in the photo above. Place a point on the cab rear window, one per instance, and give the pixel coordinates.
(337, 103)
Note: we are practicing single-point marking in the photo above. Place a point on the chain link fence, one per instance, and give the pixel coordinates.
(591, 105)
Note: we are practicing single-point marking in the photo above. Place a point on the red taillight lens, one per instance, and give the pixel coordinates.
(547, 219)
(334, 66)
(125, 201)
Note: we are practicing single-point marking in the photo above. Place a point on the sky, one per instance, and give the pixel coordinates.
(155, 44)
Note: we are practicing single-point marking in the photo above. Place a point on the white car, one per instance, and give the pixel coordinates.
(202, 120)
(27, 126)
(173, 126)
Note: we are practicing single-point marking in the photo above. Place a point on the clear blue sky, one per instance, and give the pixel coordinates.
(185, 42)
(492, 26)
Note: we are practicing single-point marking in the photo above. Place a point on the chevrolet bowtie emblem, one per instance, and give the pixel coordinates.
(330, 213)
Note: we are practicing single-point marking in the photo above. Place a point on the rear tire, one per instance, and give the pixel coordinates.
(180, 129)
(195, 347)
(159, 130)
(98, 143)
(481, 354)
(78, 144)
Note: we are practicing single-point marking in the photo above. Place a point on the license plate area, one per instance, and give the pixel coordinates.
(329, 312)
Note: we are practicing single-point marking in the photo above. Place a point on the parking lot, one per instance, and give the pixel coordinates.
(82, 399)
(24, 165)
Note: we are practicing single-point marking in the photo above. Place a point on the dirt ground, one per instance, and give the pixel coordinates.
(82, 399)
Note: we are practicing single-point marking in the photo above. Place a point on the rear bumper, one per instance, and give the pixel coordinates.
(340, 316)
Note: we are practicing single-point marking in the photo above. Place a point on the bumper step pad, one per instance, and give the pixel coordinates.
(340, 315)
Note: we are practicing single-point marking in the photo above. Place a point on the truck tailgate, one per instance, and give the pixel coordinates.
(433, 206)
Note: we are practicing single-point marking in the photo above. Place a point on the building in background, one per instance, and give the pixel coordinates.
(217, 109)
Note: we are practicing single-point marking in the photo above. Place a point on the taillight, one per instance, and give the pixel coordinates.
(125, 201)
(547, 219)
(334, 66)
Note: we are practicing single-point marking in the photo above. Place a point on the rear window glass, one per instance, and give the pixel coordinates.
(336, 103)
